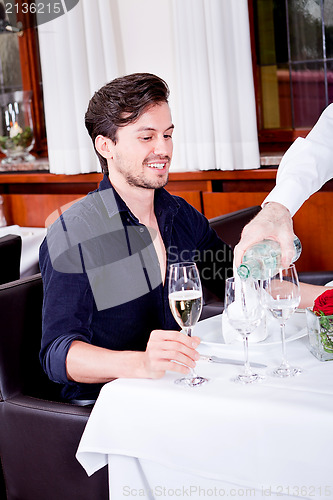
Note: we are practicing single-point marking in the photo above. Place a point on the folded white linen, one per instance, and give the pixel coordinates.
(231, 336)
(244, 290)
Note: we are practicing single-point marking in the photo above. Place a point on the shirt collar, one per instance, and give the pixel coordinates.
(115, 204)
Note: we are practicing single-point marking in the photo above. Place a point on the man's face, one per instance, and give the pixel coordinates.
(143, 151)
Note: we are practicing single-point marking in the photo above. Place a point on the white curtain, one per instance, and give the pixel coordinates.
(214, 76)
(78, 56)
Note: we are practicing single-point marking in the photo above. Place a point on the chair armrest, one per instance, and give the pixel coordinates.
(316, 277)
(50, 406)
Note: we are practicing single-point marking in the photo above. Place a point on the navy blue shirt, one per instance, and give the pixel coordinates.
(102, 279)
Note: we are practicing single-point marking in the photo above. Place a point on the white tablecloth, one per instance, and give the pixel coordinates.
(164, 440)
(32, 237)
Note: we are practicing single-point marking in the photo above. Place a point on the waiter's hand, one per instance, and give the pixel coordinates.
(273, 222)
(170, 350)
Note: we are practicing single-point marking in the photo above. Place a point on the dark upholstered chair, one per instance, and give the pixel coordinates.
(229, 228)
(39, 434)
(10, 258)
(315, 277)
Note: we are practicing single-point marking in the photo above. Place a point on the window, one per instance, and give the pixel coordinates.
(292, 46)
(20, 66)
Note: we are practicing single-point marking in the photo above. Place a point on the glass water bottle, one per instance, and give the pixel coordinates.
(263, 259)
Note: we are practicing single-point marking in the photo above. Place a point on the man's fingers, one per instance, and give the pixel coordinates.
(174, 336)
(170, 350)
(171, 366)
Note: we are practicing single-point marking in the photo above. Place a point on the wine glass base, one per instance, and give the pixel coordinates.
(248, 379)
(191, 381)
(284, 372)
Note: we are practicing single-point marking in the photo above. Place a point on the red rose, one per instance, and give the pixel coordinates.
(324, 303)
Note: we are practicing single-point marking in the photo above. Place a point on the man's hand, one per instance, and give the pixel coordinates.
(166, 350)
(274, 222)
(170, 350)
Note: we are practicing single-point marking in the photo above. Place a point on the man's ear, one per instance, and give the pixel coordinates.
(104, 146)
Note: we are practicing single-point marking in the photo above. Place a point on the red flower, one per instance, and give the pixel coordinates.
(324, 303)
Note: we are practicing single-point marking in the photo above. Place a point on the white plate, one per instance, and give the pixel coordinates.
(210, 331)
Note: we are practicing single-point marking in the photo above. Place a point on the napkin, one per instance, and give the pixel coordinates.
(229, 333)
(232, 336)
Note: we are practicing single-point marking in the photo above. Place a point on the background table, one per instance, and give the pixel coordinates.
(220, 439)
(32, 238)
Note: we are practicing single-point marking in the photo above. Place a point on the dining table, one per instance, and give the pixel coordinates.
(32, 238)
(221, 439)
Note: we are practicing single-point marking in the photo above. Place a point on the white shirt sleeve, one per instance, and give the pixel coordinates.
(306, 166)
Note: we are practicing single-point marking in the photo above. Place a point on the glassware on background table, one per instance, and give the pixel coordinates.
(16, 132)
(281, 296)
(244, 311)
(185, 299)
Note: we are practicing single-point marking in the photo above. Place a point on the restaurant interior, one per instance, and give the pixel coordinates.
(246, 78)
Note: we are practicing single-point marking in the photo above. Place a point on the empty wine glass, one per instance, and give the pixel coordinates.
(281, 296)
(244, 311)
(185, 299)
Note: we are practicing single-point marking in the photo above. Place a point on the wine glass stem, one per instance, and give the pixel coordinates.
(188, 331)
(284, 363)
(247, 367)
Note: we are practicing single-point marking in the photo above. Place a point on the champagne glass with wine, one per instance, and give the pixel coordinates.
(281, 296)
(185, 299)
(244, 312)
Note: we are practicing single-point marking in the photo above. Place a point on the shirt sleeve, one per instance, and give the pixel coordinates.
(306, 166)
(66, 316)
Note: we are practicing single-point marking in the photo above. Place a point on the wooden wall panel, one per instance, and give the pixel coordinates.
(36, 210)
(30, 199)
(192, 197)
(312, 223)
(215, 204)
(33, 210)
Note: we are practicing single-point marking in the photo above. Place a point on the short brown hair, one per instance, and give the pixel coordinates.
(120, 102)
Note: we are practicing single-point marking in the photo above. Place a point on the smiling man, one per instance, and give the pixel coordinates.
(105, 261)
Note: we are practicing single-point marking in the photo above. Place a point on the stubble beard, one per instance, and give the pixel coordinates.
(139, 180)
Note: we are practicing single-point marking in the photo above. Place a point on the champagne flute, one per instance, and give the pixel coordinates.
(244, 311)
(185, 299)
(281, 296)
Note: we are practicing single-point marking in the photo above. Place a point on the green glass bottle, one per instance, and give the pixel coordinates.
(263, 259)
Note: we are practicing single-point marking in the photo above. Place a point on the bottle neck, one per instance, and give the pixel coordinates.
(252, 268)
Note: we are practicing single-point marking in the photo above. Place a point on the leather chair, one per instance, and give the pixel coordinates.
(39, 434)
(229, 228)
(10, 258)
(315, 277)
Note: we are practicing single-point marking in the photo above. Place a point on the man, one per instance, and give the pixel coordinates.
(305, 167)
(105, 261)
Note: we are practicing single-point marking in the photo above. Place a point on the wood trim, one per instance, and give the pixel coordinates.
(31, 76)
(185, 177)
(269, 139)
(27, 178)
